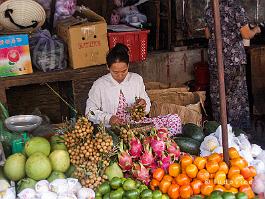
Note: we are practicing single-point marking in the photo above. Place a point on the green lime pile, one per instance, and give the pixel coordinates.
(119, 188)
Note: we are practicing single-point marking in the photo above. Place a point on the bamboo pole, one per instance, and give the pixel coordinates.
(220, 64)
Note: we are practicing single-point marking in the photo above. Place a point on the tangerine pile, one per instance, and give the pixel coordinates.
(203, 175)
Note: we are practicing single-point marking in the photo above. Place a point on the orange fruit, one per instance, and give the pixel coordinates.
(239, 162)
(200, 162)
(185, 161)
(168, 178)
(248, 190)
(206, 189)
(232, 190)
(196, 186)
(233, 153)
(227, 185)
(219, 188)
(174, 169)
(191, 170)
(183, 179)
(203, 175)
(253, 171)
(173, 191)
(245, 172)
(185, 191)
(212, 166)
(223, 167)
(233, 170)
(237, 180)
(215, 157)
(220, 178)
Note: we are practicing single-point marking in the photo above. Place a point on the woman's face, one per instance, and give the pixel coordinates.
(119, 71)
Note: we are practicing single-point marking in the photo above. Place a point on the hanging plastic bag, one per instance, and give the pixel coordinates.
(48, 52)
(64, 9)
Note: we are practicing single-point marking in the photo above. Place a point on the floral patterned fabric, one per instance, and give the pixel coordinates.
(171, 121)
(233, 17)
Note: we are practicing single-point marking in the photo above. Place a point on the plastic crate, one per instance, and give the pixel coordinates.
(135, 41)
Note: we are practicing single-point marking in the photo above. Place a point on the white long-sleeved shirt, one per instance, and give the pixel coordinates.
(103, 97)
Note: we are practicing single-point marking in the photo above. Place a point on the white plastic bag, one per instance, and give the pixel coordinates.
(247, 155)
(258, 184)
(86, 193)
(259, 166)
(261, 156)
(59, 186)
(66, 196)
(204, 153)
(9, 194)
(27, 194)
(209, 143)
(42, 186)
(73, 185)
(255, 150)
(219, 150)
(244, 143)
(231, 135)
(48, 194)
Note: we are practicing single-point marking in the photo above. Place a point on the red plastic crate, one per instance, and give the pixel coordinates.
(135, 41)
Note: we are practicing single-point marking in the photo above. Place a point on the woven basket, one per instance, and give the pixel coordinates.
(23, 13)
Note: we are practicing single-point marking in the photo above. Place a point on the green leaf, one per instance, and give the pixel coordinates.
(4, 112)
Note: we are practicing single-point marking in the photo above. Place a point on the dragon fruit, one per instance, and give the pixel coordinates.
(147, 140)
(141, 173)
(173, 149)
(147, 158)
(158, 146)
(162, 134)
(125, 161)
(136, 148)
(153, 166)
(166, 161)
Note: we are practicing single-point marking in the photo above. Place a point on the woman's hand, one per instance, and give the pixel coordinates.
(114, 120)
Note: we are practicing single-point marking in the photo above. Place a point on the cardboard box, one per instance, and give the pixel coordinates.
(87, 41)
(14, 55)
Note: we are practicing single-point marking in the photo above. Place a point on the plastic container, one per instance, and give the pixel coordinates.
(135, 41)
(18, 145)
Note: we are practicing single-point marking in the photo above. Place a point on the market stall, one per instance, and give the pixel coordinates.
(79, 159)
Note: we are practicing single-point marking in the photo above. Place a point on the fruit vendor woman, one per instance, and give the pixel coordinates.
(111, 95)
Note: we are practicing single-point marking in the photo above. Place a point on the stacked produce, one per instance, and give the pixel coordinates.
(148, 153)
(203, 175)
(126, 133)
(137, 111)
(252, 153)
(68, 188)
(127, 188)
(88, 153)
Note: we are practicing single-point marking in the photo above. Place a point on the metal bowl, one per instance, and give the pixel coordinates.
(20, 123)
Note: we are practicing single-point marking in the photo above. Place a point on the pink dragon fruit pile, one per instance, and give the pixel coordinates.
(147, 154)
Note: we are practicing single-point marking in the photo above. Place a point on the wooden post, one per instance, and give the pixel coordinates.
(220, 63)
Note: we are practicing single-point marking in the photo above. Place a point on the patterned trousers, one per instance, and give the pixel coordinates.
(236, 96)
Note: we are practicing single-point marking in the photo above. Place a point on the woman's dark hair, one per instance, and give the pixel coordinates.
(119, 53)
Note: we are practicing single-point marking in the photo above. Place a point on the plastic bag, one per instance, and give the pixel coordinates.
(210, 143)
(255, 150)
(247, 155)
(64, 9)
(48, 52)
(261, 156)
(244, 143)
(259, 166)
